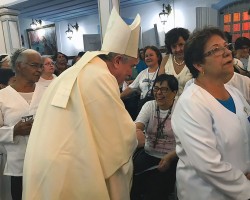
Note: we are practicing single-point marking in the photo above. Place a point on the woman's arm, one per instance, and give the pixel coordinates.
(165, 162)
(162, 66)
(140, 134)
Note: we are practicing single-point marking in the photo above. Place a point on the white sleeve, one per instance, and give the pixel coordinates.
(242, 83)
(6, 132)
(145, 113)
(136, 83)
(192, 124)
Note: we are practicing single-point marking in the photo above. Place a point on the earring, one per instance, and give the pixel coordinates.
(203, 73)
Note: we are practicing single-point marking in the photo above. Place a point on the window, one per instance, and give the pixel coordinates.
(237, 24)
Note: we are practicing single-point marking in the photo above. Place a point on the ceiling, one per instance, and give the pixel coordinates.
(59, 10)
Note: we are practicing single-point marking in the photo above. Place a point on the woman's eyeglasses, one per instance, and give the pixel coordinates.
(218, 51)
(162, 89)
(49, 64)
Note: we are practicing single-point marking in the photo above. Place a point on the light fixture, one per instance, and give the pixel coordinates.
(35, 23)
(69, 32)
(166, 10)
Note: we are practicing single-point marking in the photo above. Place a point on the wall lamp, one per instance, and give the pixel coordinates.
(69, 32)
(166, 10)
(35, 23)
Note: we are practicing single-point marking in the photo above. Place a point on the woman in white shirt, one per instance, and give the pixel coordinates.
(211, 123)
(173, 63)
(47, 75)
(145, 80)
(18, 105)
(155, 164)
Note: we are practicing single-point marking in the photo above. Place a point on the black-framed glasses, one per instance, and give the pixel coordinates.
(218, 51)
(162, 89)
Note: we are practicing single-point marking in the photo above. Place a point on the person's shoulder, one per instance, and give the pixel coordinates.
(236, 78)
(188, 83)
(150, 104)
(232, 89)
(6, 91)
(191, 94)
(142, 73)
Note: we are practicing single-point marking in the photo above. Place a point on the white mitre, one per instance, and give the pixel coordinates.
(119, 38)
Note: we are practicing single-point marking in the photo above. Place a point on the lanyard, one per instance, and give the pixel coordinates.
(161, 124)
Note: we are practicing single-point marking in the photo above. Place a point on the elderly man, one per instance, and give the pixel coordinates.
(83, 138)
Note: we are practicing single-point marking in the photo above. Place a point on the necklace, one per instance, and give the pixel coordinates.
(179, 64)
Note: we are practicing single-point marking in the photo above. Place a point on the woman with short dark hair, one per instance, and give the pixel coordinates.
(242, 50)
(61, 63)
(155, 163)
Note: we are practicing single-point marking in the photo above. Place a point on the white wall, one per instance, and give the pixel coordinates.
(87, 25)
(183, 15)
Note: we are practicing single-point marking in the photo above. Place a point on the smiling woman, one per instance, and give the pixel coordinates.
(173, 63)
(155, 164)
(145, 80)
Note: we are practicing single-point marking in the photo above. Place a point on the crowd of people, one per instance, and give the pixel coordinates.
(67, 132)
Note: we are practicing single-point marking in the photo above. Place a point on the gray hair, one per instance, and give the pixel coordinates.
(19, 56)
(45, 57)
(112, 55)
